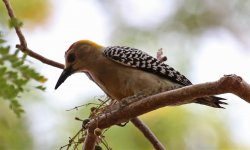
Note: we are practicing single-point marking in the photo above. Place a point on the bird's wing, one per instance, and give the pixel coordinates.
(138, 59)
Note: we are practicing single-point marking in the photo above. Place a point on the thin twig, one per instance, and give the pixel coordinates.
(147, 133)
(90, 141)
(18, 30)
(23, 44)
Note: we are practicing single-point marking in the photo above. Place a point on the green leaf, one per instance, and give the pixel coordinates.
(2, 70)
(16, 107)
(40, 87)
(15, 76)
(24, 57)
(14, 22)
(16, 52)
(4, 50)
(2, 41)
(42, 79)
(17, 64)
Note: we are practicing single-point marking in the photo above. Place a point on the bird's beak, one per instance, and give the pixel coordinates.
(65, 74)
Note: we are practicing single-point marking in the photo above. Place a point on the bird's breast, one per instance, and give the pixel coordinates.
(125, 81)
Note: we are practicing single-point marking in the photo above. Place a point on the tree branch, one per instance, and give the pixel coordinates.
(18, 30)
(23, 44)
(147, 133)
(117, 114)
(40, 57)
(90, 141)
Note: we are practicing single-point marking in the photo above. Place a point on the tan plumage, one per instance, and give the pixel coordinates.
(122, 71)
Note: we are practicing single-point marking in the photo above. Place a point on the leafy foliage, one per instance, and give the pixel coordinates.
(14, 77)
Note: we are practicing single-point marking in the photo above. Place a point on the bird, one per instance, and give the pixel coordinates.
(122, 71)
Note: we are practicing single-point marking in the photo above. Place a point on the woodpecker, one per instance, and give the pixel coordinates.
(121, 71)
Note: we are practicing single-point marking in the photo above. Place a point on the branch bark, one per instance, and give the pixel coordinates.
(117, 114)
(90, 141)
(227, 84)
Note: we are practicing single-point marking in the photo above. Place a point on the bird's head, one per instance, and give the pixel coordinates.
(78, 58)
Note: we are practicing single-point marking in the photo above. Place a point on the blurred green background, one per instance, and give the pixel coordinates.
(202, 39)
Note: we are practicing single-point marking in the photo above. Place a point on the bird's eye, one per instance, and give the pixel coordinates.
(71, 58)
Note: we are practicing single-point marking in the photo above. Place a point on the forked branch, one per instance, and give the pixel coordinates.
(227, 84)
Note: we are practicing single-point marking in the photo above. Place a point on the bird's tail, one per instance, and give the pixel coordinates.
(212, 101)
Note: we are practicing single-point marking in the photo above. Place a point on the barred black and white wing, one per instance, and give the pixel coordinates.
(138, 59)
